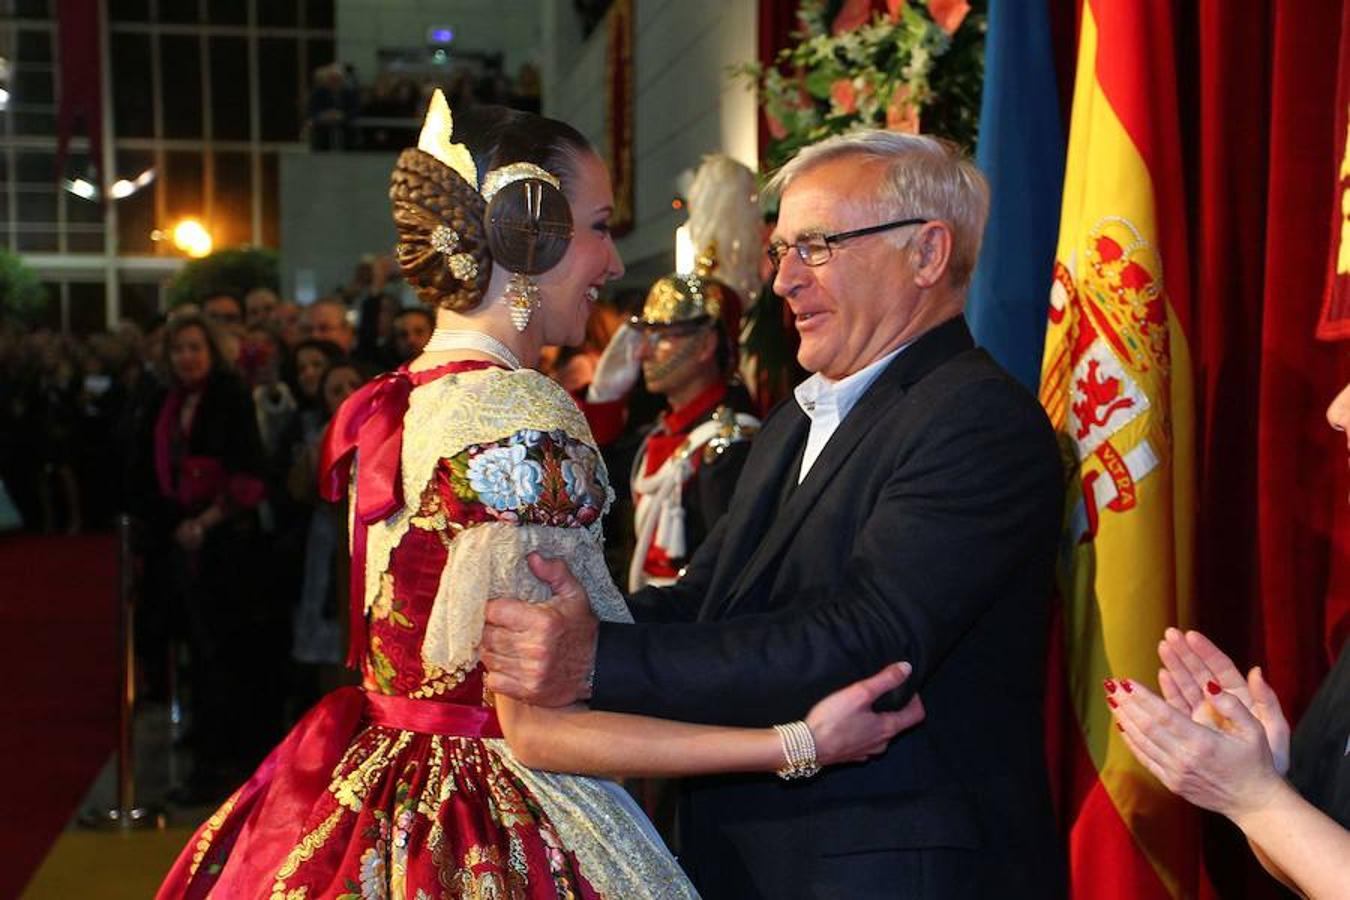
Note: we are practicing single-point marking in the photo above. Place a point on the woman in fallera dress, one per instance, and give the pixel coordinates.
(468, 471)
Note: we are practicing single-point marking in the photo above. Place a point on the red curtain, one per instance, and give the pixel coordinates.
(1298, 455)
(777, 21)
(1261, 171)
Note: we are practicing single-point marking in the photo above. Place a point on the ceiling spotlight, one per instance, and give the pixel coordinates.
(81, 188)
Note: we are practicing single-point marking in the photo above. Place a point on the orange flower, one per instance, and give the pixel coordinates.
(844, 96)
(901, 115)
(948, 14)
(855, 13)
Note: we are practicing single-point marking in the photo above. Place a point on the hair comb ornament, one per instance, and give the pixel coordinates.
(434, 140)
(510, 173)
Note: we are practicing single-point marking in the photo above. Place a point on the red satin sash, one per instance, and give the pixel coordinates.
(369, 427)
(432, 716)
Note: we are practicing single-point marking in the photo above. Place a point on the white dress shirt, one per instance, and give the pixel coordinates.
(827, 402)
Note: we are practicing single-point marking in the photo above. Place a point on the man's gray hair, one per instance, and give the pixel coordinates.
(926, 177)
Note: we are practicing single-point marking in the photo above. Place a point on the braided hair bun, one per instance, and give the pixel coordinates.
(439, 219)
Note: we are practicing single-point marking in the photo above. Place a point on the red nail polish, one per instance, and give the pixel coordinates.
(1213, 687)
(1125, 683)
(1109, 685)
(1111, 702)
(1120, 728)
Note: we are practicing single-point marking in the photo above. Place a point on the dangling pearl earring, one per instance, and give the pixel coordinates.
(522, 297)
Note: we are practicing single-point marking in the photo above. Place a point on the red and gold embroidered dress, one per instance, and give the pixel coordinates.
(404, 788)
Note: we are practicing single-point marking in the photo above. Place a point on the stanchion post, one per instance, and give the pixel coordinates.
(126, 814)
(126, 721)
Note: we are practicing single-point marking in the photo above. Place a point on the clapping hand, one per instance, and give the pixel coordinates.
(1219, 759)
(1191, 661)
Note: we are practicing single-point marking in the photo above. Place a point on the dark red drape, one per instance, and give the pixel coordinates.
(777, 21)
(1261, 169)
(81, 82)
(1297, 455)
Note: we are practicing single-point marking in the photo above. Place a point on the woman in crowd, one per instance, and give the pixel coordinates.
(461, 465)
(198, 482)
(1222, 742)
(318, 627)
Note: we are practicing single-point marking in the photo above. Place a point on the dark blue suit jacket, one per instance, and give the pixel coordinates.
(925, 531)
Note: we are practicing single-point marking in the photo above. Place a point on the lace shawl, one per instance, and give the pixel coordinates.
(444, 417)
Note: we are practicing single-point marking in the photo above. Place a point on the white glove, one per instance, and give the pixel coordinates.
(618, 368)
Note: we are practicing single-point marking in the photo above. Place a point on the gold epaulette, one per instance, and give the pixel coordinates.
(729, 431)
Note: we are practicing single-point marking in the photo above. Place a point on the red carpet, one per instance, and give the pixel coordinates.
(58, 618)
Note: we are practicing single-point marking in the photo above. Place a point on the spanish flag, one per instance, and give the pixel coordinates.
(1116, 382)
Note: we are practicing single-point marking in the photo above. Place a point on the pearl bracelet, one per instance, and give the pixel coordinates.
(799, 749)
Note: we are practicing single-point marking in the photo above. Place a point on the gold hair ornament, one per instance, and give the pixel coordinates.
(510, 173)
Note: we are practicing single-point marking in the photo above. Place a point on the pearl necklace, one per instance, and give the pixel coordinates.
(446, 339)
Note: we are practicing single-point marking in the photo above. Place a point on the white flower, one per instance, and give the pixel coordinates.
(504, 478)
(373, 884)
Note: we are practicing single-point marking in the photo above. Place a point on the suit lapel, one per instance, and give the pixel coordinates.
(871, 410)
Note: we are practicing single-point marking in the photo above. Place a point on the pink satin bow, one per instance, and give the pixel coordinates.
(369, 427)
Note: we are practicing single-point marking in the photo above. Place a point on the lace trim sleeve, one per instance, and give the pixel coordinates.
(488, 561)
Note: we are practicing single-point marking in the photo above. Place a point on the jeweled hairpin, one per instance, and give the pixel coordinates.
(463, 266)
(444, 239)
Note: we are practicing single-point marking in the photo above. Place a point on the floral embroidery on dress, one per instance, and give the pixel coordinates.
(504, 478)
(535, 477)
(387, 606)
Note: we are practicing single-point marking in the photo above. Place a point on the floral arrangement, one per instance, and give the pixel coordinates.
(874, 63)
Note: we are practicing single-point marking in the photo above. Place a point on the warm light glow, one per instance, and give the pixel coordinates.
(684, 250)
(192, 238)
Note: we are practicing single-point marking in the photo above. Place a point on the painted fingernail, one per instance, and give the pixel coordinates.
(1109, 685)
(1125, 683)
(1213, 687)
(1111, 702)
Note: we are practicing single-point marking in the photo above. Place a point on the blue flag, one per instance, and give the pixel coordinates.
(1021, 151)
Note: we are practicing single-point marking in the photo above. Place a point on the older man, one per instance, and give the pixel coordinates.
(326, 320)
(905, 507)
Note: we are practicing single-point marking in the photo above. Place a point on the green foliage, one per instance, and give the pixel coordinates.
(236, 271)
(22, 296)
(898, 74)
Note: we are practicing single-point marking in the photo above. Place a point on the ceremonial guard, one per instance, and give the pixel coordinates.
(687, 466)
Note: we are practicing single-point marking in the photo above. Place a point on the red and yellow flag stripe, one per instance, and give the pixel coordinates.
(1116, 382)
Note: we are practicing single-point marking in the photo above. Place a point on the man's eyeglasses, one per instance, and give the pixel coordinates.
(816, 249)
